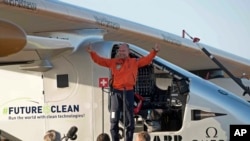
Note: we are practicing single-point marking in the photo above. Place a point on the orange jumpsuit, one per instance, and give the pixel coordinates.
(124, 71)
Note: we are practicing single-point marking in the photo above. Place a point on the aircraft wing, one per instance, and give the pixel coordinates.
(68, 24)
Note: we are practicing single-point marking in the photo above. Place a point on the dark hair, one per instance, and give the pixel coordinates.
(103, 137)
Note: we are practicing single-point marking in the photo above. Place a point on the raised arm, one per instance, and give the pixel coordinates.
(147, 59)
(98, 59)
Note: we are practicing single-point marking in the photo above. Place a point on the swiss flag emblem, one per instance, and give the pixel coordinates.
(103, 82)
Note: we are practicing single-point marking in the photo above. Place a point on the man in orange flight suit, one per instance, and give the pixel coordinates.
(124, 71)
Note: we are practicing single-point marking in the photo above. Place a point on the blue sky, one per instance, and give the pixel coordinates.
(223, 24)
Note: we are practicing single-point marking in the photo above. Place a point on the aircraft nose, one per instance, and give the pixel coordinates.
(12, 38)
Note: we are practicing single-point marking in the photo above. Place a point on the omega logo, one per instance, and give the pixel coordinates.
(211, 131)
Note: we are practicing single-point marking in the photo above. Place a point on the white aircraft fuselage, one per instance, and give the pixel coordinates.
(70, 95)
(49, 81)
